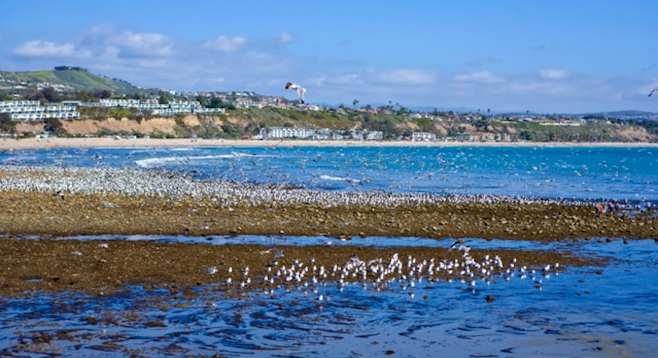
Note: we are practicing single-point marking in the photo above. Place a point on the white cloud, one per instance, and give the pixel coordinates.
(143, 44)
(48, 49)
(480, 77)
(376, 79)
(348, 79)
(286, 37)
(553, 74)
(405, 76)
(225, 44)
(102, 29)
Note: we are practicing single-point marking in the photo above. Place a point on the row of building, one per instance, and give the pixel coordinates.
(328, 134)
(35, 111)
(318, 134)
(156, 108)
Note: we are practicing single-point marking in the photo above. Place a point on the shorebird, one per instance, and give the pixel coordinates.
(300, 90)
(277, 252)
(211, 270)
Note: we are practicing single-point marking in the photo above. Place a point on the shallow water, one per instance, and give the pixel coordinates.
(374, 241)
(588, 312)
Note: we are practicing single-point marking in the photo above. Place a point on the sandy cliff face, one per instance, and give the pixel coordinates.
(636, 134)
(28, 127)
(192, 124)
(164, 125)
(92, 126)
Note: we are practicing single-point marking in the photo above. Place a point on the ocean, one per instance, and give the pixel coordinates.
(606, 311)
(605, 173)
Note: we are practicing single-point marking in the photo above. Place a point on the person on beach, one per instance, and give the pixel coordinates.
(611, 209)
(600, 210)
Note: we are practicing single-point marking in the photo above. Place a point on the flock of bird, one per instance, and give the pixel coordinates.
(404, 273)
(137, 182)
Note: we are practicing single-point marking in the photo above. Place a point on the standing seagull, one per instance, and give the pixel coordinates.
(300, 90)
(652, 91)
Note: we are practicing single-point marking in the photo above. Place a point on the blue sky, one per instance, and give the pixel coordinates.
(558, 56)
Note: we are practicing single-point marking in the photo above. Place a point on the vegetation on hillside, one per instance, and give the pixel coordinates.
(6, 124)
(77, 79)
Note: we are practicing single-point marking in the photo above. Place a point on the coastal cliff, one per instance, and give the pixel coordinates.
(248, 123)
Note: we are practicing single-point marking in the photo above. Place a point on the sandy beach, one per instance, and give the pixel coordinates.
(53, 142)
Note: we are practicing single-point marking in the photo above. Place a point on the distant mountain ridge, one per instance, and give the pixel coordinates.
(627, 113)
(77, 78)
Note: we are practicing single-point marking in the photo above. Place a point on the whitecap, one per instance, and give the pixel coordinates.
(333, 178)
(154, 162)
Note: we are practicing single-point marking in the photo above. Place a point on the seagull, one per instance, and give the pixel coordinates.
(211, 270)
(277, 252)
(300, 90)
(652, 91)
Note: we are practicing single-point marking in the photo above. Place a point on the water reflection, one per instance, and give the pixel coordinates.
(588, 312)
(375, 241)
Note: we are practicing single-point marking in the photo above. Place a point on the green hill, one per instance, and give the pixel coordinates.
(77, 78)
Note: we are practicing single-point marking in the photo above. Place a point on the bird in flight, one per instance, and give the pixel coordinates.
(300, 90)
(652, 91)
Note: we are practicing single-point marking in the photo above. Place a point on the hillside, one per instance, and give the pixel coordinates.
(75, 78)
(238, 123)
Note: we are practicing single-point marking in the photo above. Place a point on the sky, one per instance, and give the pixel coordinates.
(558, 56)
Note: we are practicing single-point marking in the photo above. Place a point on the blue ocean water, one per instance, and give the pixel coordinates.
(608, 173)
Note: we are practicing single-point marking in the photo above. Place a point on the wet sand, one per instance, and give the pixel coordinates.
(104, 267)
(133, 202)
(73, 265)
(93, 214)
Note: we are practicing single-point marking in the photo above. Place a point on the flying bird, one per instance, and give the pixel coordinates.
(300, 90)
(652, 91)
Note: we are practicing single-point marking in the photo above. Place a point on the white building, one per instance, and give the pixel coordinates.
(423, 137)
(282, 132)
(322, 134)
(173, 107)
(318, 134)
(34, 111)
(374, 135)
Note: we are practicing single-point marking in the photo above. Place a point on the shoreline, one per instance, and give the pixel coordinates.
(50, 143)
